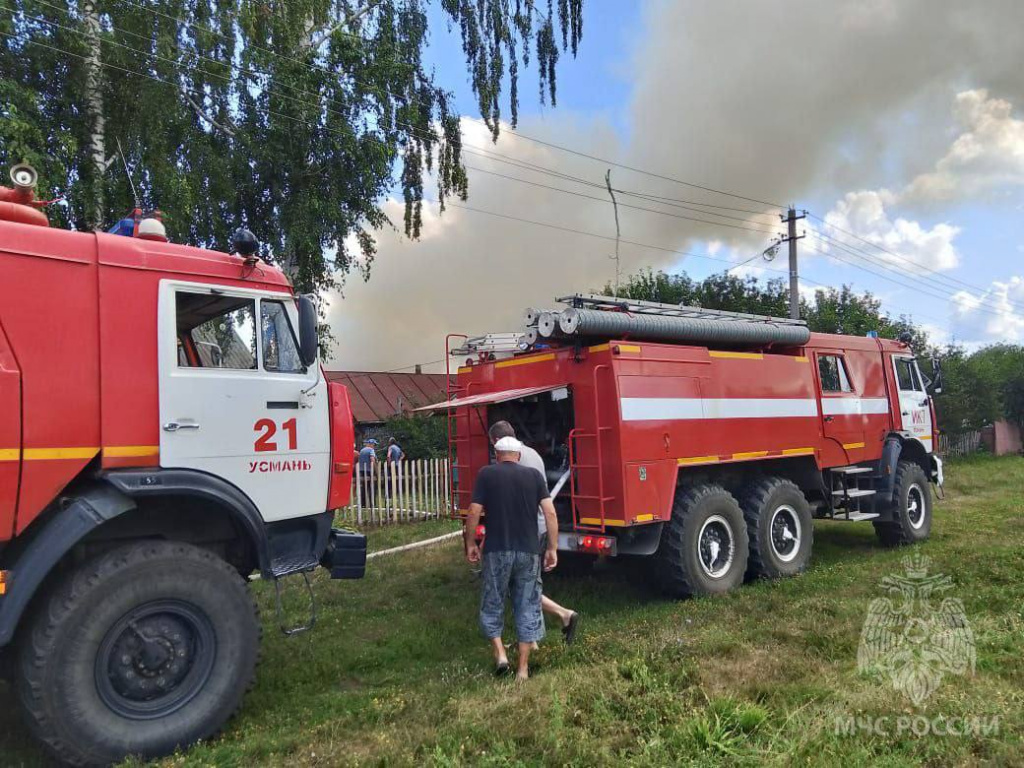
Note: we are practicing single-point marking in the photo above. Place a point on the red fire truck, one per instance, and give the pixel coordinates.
(165, 430)
(707, 440)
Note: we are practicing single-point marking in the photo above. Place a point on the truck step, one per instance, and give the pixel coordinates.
(855, 493)
(856, 517)
(850, 470)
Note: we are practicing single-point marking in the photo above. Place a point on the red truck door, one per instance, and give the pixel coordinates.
(10, 436)
(841, 409)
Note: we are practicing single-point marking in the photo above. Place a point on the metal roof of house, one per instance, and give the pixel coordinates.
(377, 397)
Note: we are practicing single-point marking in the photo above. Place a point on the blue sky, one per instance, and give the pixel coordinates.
(893, 120)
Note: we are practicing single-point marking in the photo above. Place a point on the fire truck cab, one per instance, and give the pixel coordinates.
(165, 431)
(705, 440)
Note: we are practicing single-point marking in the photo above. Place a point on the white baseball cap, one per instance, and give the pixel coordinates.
(508, 445)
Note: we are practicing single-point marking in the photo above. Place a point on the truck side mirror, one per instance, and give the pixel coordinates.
(937, 371)
(308, 342)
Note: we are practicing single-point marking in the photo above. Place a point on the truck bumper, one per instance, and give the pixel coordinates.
(345, 556)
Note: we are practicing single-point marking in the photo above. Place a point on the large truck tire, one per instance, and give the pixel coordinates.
(703, 548)
(779, 531)
(141, 650)
(912, 508)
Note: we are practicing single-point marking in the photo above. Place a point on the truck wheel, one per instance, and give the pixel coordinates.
(146, 648)
(778, 527)
(912, 512)
(703, 548)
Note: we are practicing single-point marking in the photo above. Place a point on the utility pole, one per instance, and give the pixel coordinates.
(618, 234)
(791, 237)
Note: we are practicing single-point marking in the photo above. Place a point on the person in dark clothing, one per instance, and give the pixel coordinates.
(367, 465)
(510, 493)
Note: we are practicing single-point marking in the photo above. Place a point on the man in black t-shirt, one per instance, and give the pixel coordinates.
(510, 493)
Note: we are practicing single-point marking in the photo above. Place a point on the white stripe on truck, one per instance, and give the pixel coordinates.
(684, 408)
(688, 408)
(854, 406)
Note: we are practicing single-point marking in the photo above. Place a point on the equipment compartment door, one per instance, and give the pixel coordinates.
(914, 410)
(236, 401)
(10, 436)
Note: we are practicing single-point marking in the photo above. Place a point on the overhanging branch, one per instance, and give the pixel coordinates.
(201, 114)
(325, 34)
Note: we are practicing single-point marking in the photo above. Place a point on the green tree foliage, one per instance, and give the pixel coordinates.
(420, 436)
(293, 118)
(982, 387)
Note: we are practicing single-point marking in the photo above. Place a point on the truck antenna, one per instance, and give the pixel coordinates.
(124, 161)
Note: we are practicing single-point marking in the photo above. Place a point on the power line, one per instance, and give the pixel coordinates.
(626, 205)
(634, 169)
(584, 233)
(938, 278)
(831, 242)
(933, 289)
(212, 31)
(670, 201)
(926, 291)
(552, 145)
(415, 129)
(304, 122)
(484, 122)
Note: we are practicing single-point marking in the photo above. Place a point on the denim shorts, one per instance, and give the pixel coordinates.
(515, 574)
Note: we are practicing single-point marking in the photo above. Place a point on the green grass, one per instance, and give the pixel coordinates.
(396, 674)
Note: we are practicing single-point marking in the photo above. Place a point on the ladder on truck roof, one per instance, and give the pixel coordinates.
(637, 307)
(491, 343)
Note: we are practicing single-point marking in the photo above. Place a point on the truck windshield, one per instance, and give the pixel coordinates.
(280, 349)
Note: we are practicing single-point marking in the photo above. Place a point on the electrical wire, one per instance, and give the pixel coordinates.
(684, 204)
(935, 290)
(571, 230)
(633, 207)
(915, 288)
(534, 139)
(671, 201)
(304, 122)
(947, 282)
(626, 167)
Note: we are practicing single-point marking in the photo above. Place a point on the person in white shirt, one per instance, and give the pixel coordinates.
(530, 458)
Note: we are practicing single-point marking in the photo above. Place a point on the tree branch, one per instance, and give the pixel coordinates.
(201, 114)
(325, 35)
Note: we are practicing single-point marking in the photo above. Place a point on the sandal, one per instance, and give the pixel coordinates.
(569, 630)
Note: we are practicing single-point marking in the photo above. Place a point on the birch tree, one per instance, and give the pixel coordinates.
(294, 118)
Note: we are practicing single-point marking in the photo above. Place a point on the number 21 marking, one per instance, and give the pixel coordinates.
(265, 441)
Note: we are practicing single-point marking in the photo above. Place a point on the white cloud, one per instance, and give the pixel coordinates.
(987, 155)
(994, 315)
(901, 242)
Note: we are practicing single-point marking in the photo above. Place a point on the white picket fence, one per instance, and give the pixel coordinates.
(959, 443)
(391, 493)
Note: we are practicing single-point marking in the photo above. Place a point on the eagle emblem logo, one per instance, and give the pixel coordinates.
(918, 634)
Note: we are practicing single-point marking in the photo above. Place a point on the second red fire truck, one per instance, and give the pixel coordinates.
(165, 430)
(705, 440)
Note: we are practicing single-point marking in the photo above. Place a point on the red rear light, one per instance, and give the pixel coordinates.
(598, 545)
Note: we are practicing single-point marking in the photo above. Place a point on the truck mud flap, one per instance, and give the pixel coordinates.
(345, 555)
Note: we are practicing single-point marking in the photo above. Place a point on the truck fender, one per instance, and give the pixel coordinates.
(87, 510)
(142, 483)
(282, 547)
(899, 446)
(891, 452)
